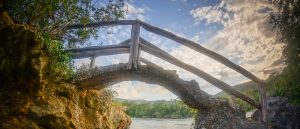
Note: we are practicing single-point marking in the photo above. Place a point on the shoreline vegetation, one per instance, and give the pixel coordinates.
(173, 109)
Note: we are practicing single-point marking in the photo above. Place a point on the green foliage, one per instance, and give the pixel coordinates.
(59, 62)
(52, 16)
(286, 22)
(159, 109)
(287, 84)
(253, 93)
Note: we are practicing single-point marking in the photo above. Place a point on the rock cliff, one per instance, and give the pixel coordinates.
(30, 99)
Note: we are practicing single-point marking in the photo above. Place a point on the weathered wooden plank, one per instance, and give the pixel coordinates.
(131, 52)
(101, 24)
(201, 49)
(147, 43)
(139, 53)
(147, 62)
(263, 100)
(136, 43)
(126, 41)
(96, 53)
(95, 48)
(218, 83)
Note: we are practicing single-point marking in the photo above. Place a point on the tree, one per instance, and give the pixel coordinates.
(287, 23)
(52, 16)
(159, 109)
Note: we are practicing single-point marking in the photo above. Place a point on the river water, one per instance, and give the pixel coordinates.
(151, 123)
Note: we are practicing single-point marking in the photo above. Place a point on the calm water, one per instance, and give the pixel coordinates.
(138, 123)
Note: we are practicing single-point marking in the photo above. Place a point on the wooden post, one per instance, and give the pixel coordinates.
(129, 66)
(139, 53)
(92, 64)
(263, 101)
(233, 101)
(136, 38)
(134, 46)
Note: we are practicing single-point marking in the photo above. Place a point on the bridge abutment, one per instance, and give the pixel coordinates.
(223, 116)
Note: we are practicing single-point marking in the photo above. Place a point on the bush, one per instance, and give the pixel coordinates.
(286, 84)
(60, 64)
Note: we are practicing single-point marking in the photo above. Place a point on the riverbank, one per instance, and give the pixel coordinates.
(173, 109)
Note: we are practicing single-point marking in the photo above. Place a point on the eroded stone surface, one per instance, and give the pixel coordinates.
(281, 114)
(224, 117)
(31, 100)
(188, 91)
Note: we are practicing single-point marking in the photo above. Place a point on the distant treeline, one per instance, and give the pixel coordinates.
(158, 109)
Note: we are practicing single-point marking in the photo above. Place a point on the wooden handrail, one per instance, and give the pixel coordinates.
(123, 44)
(181, 40)
(99, 51)
(100, 24)
(201, 49)
(96, 53)
(149, 48)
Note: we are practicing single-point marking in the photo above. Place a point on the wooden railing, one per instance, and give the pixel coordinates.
(135, 44)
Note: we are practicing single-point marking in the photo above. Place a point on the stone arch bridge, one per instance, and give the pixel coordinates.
(215, 113)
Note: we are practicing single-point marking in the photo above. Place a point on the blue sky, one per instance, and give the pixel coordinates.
(174, 15)
(238, 30)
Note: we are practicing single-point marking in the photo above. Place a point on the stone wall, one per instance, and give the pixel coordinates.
(281, 114)
(223, 116)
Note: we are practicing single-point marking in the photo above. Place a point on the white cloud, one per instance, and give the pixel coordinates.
(247, 39)
(211, 14)
(248, 36)
(135, 12)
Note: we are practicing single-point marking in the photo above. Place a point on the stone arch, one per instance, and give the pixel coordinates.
(188, 91)
(213, 113)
